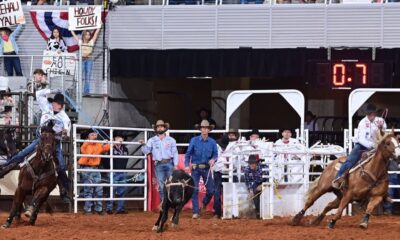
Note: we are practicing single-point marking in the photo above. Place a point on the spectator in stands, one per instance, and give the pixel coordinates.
(205, 114)
(92, 177)
(394, 179)
(254, 135)
(233, 135)
(218, 167)
(9, 47)
(87, 44)
(119, 177)
(39, 81)
(288, 158)
(253, 175)
(6, 105)
(56, 42)
(309, 122)
(42, 2)
(203, 153)
(164, 151)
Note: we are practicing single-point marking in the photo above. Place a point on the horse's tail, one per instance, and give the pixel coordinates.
(313, 186)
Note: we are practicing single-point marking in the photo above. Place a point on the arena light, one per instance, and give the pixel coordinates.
(196, 77)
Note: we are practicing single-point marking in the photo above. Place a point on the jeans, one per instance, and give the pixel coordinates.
(163, 172)
(394, 179)
(352, 159)
(256, 201)
(87, 66)
(118, 177)
(217, 193)
(11, 63)
(209, 184)
(92, 192)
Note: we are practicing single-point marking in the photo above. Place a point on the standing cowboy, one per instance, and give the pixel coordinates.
(165, 154)
(364, 141)
(203, 150)
(52, 109)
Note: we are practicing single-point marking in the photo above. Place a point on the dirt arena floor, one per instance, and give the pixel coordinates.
(137, 225)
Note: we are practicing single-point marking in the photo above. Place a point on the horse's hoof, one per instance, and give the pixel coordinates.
(155, 228)
(174, 225)
(160, 230)
(364, 225)
(5, 225)
(331, 225)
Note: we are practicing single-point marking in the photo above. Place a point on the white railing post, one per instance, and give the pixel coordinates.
(145, 179)
(75, 159)
(111, 165)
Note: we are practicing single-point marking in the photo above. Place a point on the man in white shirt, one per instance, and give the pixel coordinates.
(287, 140)
(52, 109)
(364, 141)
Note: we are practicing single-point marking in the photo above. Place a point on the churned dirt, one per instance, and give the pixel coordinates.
(137, 225)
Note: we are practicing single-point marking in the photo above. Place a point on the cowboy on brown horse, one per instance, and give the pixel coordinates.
(367, 181)
(367, 128)
(52, 109)
(36, 177)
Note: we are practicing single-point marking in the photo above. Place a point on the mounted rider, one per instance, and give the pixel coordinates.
(363, 142)
(52, 109)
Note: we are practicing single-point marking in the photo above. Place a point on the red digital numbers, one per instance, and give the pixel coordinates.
(340, 78)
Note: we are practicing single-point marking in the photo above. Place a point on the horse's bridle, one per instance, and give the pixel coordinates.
(47, 157)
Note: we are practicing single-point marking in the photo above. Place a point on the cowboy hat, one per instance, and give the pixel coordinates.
(252, 159)
(371, 108)
(58, 98)
(160, 123)
(234, 131)
(204, 124)
(254, 131)
(86, 133)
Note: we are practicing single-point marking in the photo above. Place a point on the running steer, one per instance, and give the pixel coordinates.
(177, 192)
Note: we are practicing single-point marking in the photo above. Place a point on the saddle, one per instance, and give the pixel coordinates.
(342, 160)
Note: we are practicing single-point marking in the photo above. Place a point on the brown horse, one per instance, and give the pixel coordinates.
(36, 177)
(367, 182)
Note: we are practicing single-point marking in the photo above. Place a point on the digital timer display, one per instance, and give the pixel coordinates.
(350, 73)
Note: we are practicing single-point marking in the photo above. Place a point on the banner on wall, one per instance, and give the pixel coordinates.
(58, 64)
(11, 13)
(84, 17)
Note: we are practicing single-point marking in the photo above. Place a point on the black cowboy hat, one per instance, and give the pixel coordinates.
(6, 29)
(58, 98)
(371, 108)
(86, 133)
(254, 131)
(223, 141)
(252, 159)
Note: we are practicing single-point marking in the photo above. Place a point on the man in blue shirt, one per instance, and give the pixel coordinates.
(165, 154)
(203, 152)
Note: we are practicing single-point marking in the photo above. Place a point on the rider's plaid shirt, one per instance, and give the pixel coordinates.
(253, 178)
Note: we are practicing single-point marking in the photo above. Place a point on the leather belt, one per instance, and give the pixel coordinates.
(163, 161)
(9, 53)
(200, 166)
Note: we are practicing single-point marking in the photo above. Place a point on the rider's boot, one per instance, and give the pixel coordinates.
(63, 191)
(7, 169)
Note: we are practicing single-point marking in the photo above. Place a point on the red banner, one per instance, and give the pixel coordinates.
(153, 197)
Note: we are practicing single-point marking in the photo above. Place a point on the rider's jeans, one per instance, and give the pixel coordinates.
(352, 159)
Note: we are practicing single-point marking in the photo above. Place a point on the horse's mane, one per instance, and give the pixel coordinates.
(380, 136)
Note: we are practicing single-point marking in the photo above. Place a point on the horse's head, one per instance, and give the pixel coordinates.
(47, 142)
(388, 144)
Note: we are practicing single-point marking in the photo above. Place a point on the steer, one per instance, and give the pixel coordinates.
(177, 192)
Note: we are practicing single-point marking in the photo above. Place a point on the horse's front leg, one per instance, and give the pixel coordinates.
(373, 202)
(38, 199)
(19, 197)
(343, 204)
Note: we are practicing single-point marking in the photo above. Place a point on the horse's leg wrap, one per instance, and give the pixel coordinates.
(364, 223)
(331, 224)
